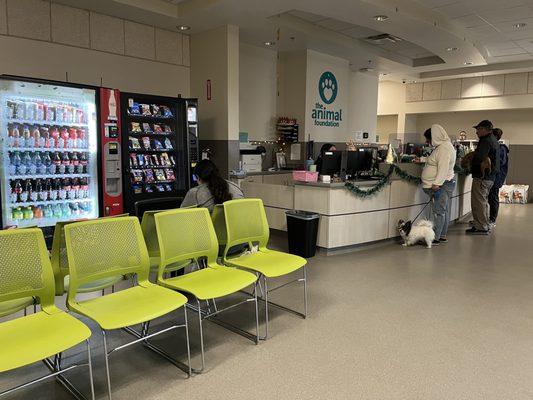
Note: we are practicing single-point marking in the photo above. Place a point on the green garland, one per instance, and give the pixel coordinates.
(362, 193)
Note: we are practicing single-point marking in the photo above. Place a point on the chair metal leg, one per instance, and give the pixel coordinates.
(256, 315)
(266, 307)
(25, 311)
(90, 362)
(103, 292)
(201, 337)
(106, 354)
(305, 290)
(188, 342)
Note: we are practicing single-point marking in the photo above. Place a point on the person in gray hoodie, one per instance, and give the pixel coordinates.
(438, 179)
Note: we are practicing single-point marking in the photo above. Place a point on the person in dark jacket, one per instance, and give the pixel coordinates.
(483, 180)
(494, 194)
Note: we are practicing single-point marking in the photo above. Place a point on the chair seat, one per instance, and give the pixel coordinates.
(94, 286)
(270, 263)
(33, 338)
(12, 306)
(211, 282)
(130, 306)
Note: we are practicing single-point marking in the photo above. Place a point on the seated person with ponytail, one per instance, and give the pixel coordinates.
(212, 189)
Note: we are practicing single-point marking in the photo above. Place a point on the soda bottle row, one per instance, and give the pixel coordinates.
(39, 111)
(32, 163)
(46, 137)
(65, 210)
(34, 190)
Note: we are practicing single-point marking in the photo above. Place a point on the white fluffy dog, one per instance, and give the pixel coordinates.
(420, 232)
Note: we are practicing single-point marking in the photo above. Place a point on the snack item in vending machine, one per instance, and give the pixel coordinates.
(136, 176)
(136, 127)
(140, 159)
(160, 175)
(155, 160)
(168, 144)
(156, 111)
(149, 176)
(158, 145)
(148, 160)
(134, 144)
(168, 129)
(158, 129)
(146, 143)
(137, 189)
(146, 127)
(166, 112)
(160, 188)
(170, 175)
(149, 189)
(165, 161)
(145, 109)
(134, 109)
(133, 160)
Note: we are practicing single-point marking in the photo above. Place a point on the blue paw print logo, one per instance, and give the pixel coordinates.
(328, 87)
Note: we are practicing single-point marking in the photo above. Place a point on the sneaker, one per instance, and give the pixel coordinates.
(474, 231)
(471, 223)
(492, 225)
(443, 240)
(435, 243)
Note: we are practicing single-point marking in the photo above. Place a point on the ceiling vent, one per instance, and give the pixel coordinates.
(383, 38)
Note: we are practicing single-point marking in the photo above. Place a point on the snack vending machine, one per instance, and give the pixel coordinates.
(48, 152)
(154, 148)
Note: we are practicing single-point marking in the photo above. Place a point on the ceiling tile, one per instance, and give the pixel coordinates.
(455, 10)
(436, 3)
(307, 16)
(507, 52)
(469, 21)
(334, 24)
(511, 14)
(359, 32)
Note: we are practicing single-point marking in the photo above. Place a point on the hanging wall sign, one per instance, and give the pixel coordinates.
(325, 112)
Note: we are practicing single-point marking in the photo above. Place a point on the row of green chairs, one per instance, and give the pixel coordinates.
(103, 250)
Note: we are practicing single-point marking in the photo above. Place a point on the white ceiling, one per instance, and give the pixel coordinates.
(482, 30)
(489, 23)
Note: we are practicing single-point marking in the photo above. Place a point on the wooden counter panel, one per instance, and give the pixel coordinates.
(347, 230)
(272, 195)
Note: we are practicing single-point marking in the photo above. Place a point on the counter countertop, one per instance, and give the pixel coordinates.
(335, 185)
(278, 172)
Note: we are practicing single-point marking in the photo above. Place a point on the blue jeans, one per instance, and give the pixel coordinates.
(441, 207)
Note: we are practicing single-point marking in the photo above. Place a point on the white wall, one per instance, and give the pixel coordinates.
(362, 108)
(517, 125)
(258, 92)
(46, 40)
(386, 124)
(292, 83)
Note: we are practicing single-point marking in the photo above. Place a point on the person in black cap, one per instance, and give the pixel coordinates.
(483, 180)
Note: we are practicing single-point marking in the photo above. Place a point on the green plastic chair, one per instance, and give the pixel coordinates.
(189, 235)
(108, 247)
(152, 244)
(26, 272)
(12, 306)
(61, 269)
(246, 223)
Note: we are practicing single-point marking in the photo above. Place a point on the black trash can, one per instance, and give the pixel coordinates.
(302, 230)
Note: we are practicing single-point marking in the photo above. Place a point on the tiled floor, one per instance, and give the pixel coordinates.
(454, 322)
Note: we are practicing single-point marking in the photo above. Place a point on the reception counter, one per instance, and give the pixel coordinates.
(347, 221)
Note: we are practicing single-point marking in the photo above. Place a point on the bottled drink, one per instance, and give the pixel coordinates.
(67, 185)
(25, 191)
(75, 189)
(22, 168)
(75, 209)
(54, 192)
(25, 139)
(63, 137)
(37, 212)
(58, 212)
(18, 189)
(47, 211)
(41, 193)
(17, 213)
(66, 211)
(48, 188)
(82, 138)
(47, 165)
(65, 164)
(10, 137)
(31, 141)
(62, 192)
(12, 169)
(56, 161)
(84, 188)
(39, 114)
(72, 138)
(43, 135)
(83, 163)
(23, 195)
(33, 195)
(31, 166)
(27, 213)
(16, 136)
(14, 196)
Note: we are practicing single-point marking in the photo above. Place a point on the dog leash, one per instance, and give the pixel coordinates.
(422, 210)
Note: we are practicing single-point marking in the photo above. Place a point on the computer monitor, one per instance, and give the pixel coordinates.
(331, 163)
(414, 149)
(360, 160)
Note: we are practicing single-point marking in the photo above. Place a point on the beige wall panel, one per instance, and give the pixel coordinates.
(166, 46)
(29, 18)
(471, 87)
(186, 48)
(414, 92)
(272, 195)
(343, 201)
(516, 83)
(405, 194)
(529, 85)
(276, 218)
(348, 230)
(451, 89)
(180, 48)
(107, 33)
(70, 25)
(432, 90)
(314, 199)
(492, 85)
(3, 17)
(139, 40)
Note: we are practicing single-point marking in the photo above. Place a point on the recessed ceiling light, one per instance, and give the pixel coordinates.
(452, 49)
(183, 27)
(381, 18)
(270, 43)
(520, 25)
(468, 63)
